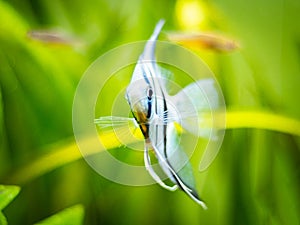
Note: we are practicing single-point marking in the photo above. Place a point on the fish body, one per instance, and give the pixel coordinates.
(156, 113)
(201, 40)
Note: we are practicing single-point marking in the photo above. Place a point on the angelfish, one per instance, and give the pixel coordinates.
(157, 113)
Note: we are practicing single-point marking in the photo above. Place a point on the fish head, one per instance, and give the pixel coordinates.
(140, 92)
(139, 95)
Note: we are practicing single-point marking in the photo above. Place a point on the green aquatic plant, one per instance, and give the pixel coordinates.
(70, 216)
(66, 152)
(254, 179)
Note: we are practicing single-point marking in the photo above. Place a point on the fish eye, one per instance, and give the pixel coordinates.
(149, 93)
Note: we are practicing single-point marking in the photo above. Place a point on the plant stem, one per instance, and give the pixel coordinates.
(262, 120)
(63, 153)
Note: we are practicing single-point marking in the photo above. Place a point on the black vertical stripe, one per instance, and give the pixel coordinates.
(165, 112)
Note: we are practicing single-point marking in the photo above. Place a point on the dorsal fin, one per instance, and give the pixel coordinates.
(149, 49)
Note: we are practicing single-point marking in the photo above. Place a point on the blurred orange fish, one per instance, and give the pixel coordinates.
(203, 40)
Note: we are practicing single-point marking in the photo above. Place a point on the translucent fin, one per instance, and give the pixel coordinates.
(195, 104)
(153, 173)
(165, 76)
(146, 65)
(185, 176)
(179, 161)
(157, 30)
(165, 73)
(115, 121)
(177, 176)
(172, 159)
(122, 127)
(149, 49)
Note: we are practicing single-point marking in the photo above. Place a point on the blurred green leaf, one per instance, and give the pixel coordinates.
(70, 216)
(255, 178)
(1, 114)
(3, 220)
(15, 26)
(7, 194)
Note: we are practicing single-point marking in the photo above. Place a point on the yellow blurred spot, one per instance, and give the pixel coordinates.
(190, 14)
(178, 128)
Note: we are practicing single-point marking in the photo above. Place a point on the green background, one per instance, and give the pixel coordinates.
(256, 176)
